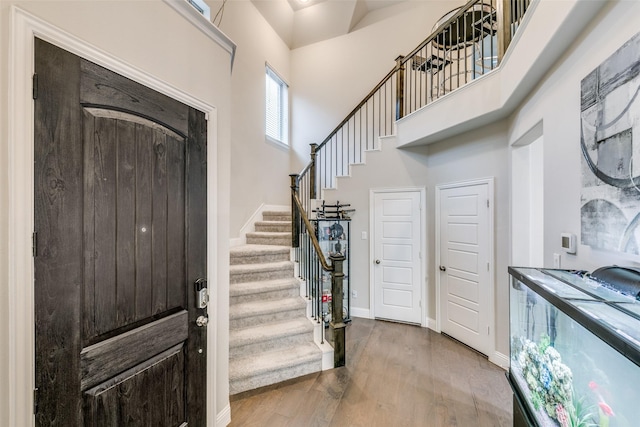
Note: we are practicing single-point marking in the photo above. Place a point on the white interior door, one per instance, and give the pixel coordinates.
(397, 272)
(466, 288)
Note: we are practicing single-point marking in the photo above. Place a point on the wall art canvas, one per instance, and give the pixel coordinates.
(610, 145)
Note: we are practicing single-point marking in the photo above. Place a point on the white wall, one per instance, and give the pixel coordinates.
(330, 78)
(468, 156)
(556, 102)
(155, 39)
(260, 169)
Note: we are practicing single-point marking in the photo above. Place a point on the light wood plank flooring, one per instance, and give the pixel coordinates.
(396, 375)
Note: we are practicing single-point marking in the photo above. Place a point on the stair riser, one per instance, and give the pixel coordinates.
(258, 258)
(260, 319)
(274, 228)
(244, 384)
(265, 296)
(277, 343)
(256, 276)
(276, 216)
(274, 241)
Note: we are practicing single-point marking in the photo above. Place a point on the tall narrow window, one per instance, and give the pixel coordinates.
(277, 107)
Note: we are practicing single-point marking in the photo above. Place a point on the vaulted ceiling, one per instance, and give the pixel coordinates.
(301, 23)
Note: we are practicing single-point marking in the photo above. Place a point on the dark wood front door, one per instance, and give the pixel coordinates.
(120, 222)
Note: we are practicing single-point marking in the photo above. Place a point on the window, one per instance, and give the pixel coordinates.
(201, 7)
(277, 107)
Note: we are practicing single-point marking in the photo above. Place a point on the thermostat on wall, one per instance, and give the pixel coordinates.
(568, 242)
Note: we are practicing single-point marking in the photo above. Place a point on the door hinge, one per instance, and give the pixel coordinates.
(487, 202)
(488, 330)
(487, 266)
(34, 244)
(35, 86)
(35, 400)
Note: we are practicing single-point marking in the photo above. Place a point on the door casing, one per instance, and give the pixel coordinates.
(25, 28)
(423, 248)
(491, 306)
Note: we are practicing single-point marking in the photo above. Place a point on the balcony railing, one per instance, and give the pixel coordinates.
(466, 43)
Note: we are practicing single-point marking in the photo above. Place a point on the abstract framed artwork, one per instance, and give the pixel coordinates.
(610, 145)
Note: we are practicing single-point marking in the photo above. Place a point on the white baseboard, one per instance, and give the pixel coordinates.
(250, 227)
(223, 418)
(364, 313)
(500, 360)
(431, 324)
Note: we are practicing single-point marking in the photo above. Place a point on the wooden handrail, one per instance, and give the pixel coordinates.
(311, 232)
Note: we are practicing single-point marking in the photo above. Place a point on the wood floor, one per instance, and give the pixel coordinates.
(396, 375)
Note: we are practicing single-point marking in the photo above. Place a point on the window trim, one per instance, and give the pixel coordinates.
(277, 77)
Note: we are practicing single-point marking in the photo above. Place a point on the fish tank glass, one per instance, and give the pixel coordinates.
(575, 350)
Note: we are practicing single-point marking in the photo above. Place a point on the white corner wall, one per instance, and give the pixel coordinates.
(556, 102)
(135, 34)
(259, 169)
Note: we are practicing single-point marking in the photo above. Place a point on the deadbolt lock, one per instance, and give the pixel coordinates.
(202, 293)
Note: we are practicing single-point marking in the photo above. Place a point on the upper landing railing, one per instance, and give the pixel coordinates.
(465, 44)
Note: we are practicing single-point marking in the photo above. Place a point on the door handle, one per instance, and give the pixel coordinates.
(202, 321)
(443, 268)
(377, 261)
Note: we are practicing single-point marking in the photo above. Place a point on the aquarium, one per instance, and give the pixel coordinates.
(575, 351)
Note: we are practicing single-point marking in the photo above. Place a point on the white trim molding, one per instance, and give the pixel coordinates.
(24, 28)
(363, 313)
(223, 418)
(501, 360)
(489, 181)
(207, 27)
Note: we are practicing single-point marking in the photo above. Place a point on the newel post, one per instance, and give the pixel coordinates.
(312, 172)
(337, 320)
(399, 87)
(295, 215)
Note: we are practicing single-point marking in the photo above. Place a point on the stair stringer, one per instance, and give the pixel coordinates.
(383, 141)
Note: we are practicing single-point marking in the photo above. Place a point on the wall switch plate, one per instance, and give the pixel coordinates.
(364, 235)
(354, 294)
(556, 260)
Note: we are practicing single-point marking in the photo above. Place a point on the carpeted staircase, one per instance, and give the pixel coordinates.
(270, 339)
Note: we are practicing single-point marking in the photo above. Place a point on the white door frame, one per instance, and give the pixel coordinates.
(423, 247)
(20, 275)
(491, 308)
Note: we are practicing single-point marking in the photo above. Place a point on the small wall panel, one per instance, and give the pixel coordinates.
(151, 394)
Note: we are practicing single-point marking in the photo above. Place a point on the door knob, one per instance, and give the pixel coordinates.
(443, 268)
(202, 321)
(377, 261)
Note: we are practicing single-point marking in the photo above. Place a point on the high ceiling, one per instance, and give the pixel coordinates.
(301, 23)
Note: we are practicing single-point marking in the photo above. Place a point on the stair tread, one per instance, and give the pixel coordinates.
(257, 308)
(262, 286)
(242, 367)
(252, 249)
(269, 233)
(264, 266)
(269, 331)
(272, 213)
